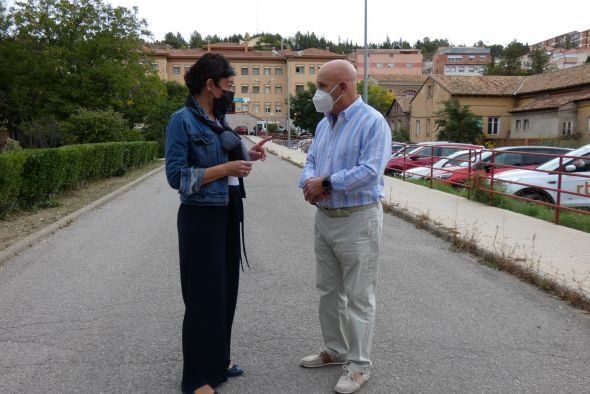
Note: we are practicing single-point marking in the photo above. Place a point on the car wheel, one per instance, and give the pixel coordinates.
(537, 195)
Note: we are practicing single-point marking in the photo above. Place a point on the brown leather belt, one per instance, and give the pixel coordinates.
(345, 212)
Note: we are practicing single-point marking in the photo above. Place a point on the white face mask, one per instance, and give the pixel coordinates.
(323, 101)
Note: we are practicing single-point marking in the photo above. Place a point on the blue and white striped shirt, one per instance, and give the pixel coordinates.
(353, 152)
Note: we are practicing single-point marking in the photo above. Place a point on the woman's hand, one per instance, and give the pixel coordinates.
(258, 152)
(238, 168)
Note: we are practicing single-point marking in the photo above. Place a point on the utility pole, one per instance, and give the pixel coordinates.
(366, 76)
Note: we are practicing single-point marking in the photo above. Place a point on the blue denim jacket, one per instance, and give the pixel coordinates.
(191, 147)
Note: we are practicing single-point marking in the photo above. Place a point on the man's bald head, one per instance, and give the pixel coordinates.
(339, 69)
(338, 77)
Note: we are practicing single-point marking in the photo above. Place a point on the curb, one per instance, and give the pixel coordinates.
(31, 239)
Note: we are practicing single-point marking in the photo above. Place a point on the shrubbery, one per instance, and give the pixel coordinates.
(30, 177)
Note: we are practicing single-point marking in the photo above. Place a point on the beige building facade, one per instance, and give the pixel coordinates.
(513, 109)
(264, 79)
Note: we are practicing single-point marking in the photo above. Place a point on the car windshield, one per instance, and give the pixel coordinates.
(553, 163)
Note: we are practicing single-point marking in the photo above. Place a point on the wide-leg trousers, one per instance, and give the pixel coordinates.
(209, 246)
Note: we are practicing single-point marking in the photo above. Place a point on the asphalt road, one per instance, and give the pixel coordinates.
(96, 308)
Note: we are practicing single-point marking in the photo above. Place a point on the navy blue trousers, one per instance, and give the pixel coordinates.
(209, 246)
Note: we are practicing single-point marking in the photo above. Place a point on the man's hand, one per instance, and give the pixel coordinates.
(313, 190)
(258, 152)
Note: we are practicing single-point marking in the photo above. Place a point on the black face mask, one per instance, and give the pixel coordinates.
(221, 105)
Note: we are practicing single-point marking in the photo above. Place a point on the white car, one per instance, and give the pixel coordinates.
(536, 185)
(456, 159)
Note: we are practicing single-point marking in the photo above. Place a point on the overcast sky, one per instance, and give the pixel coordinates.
(460, 21)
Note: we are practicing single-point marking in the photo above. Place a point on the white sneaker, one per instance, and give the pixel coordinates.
(350, 381)
(322, 359)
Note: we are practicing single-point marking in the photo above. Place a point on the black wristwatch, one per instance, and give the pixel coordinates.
(327, 184)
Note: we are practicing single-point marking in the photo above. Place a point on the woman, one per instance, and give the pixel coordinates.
(205, 162)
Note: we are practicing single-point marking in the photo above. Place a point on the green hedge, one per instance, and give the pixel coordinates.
(30, 177)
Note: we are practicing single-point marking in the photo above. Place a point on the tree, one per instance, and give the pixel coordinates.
(196, 40)
(176, 41)
(587, 60)
(157, 119)
(87, 126)
(303, 111)
(497, 51)
(540, 62)
(458, 124)
(428, 47)
(511, 63)
(379, 98)
(60, 56)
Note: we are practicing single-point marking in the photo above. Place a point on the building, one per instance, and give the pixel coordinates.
(574, 39)
(398, 115)
(264, 79)
(461, 61)
(389, 62)
(399, 85)
(513, 109)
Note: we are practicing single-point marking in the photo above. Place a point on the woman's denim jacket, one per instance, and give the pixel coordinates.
(191, 147)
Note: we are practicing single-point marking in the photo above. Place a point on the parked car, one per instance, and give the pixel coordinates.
(454, 160)
(505, 158)
(425, 155)
(538, 185)
(242, 130)
(400, 150)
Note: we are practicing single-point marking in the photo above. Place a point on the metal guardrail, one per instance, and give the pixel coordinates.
(477, 177)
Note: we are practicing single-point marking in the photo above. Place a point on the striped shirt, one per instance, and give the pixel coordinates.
(353, 149)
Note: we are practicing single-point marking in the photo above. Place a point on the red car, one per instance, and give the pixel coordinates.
(242, 130)
(424, 156)
(505, 158)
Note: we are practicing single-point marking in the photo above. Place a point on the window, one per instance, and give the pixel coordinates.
(429, 90)
(244, 88)
(267, 108)
(186, 68)
(409, 93)
(255, 89)
(278, 89)
(245, 107)
(482, 58)
(471, 69)
(267, 89)
(311, 69)
(566, 128)
(256, 107)
(428, 127)
(154, 66)
(455, 58)
(278, 71)
(266, 70)
(391, 65)
(379, 65)
(175, 69)
(299, 88)
(255, 70)
(278, 107)
(299, 69)
(525, 124)
(461, 69)
(409, 65)
(471, 58)
(417, 128)
(244, 70)
(517, 125)
(493, 125)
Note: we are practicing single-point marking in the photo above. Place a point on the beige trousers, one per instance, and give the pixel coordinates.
(347, 251)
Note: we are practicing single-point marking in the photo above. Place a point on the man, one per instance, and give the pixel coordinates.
(343, 177)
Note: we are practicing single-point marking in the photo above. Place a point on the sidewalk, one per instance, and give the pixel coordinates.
(560, 253)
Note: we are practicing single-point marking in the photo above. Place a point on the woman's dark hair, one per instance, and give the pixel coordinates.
(210, 66)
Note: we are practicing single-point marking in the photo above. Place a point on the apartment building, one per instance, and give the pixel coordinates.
(574, 39)
(389, 62)
(466, 61)
(264, 79)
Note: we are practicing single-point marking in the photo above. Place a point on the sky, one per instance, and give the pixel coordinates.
(459, 21)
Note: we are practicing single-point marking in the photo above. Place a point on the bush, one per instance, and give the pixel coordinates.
(94, 126)
(11, 145)
(29, 178)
